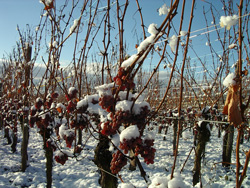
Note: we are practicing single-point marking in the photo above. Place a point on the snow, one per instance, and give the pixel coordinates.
(176, 183)
(87, 101)
(173, 42)
(124, 105)
(53, 105)
(83, 173)
(159, 182)
(71, 90)
(43, 114)
(60, 105)
(140, 98)
(183, 33)
(127, 185)
(39, 99)
(123, 94)
(96, 109)
(152, 29)
(74, 26)
(186, 135)
(90, 98)
(149, 136)
(144, 44)
(105, 89)
(81, 103)
(129, 61)
(62, 152)
(109, 117)
(234, 65)
(20, 180)
(55, 44)
(229, 80)
(129, 133)
(48, 2)
(231, 46)
(138, 105)
(115, 140)
(65, 131)
(163, 10)
(228, 21)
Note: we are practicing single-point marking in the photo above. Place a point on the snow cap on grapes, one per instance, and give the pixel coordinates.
(129, 133)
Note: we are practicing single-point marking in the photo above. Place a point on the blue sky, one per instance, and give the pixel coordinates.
(22, 12)
(13, 13)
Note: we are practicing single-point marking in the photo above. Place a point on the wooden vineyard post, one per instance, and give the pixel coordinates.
(25, 123)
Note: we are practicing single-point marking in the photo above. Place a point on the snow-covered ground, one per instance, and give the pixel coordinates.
(84, 173)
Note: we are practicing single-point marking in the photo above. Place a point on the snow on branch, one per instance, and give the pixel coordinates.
(229, 80)
(163, 10)
(228, 21)
(74, 26)
(152, 29)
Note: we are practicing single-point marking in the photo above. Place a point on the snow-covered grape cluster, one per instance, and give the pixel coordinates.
(126, 116)
(51, 144)
(40, 115)
(61, 158)
(72, 99)
(128, 144)
(11, 111)
(122, 80)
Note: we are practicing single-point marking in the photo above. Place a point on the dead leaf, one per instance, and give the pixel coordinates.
(228, 99)
(231, 107)
(234, 114)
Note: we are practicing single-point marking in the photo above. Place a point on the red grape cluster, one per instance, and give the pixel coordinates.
(146, 151)
(119, 118)
(119, 160)
(122, 80)
(46, 120)
(38, 103)
(82, 109)
(34, 117)
(122, 117)
(69, 139)
(107, 102)
(71, 97)
(130, 144)
(48, 102)
(71, 93)
(140, 119)
(54, 95)
(80, 123)
(108, 128)
(71, 106)
(61, 158)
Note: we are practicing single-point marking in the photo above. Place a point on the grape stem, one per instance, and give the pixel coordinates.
(143, 173)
